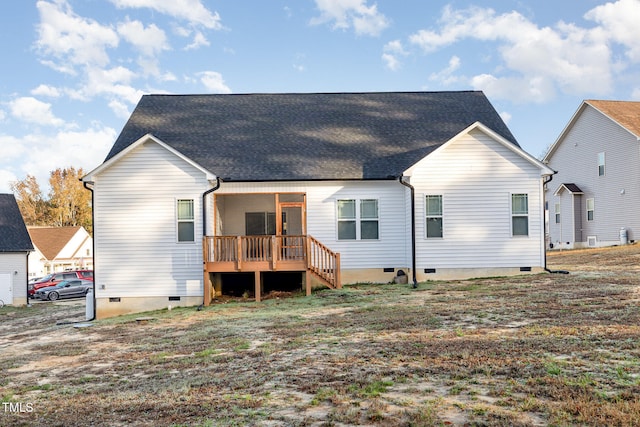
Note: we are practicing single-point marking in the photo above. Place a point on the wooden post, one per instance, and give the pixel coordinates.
(239, 254)
(337, 272)
(206, 287)
(307, 279)
(274, 253)
(258, 286)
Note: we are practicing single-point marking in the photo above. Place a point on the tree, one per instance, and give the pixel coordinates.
(33, 206)
(69, 203)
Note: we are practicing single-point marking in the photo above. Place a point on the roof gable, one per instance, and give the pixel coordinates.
(148, 138)
(271, 137)
(624, 113)
(13, 233)
(544, 169)
(50, 241)
(570, 187)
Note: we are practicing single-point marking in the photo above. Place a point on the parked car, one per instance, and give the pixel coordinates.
(53, 278)
(65, 289)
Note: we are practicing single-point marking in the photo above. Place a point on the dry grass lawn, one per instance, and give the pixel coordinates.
(548, 349)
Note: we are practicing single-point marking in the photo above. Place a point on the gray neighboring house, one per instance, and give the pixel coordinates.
(595, 198)
(15, 246)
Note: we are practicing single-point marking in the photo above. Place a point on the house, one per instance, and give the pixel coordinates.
(59, 249)
(207, 195)
(596, 196)
(15, 246)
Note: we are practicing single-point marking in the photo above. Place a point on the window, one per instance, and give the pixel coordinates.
(358, 219)
(520, 214)
(600, 164)
(557, 212)
(186, 223)
(260, 223)
(369, 219)
(590, 209)
(434, 216)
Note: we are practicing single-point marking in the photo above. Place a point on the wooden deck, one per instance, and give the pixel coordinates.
(224, 254)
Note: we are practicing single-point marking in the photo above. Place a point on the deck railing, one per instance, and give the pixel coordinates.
(238, 250)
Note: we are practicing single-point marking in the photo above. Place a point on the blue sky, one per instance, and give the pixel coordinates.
(73, 70)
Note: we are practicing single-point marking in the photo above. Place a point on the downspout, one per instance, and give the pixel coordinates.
(93, 246)
(550, 178)
(27, 284)
(413, 230)
(204, 225)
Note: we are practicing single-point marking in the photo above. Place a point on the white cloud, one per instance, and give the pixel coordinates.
(46, 90)
(506, 117)
(30, 110)
(189, 10)
(6, 178)
(345, 14)
(391, 52)
(213, 81)
(447, 76)
(537, 61)
(198, 40)
(70, 38)
(619, 21)
(149, 41)
(120, 109)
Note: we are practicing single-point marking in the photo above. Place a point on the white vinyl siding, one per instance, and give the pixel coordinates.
(144, 186)
(476, 176)
(10, 263)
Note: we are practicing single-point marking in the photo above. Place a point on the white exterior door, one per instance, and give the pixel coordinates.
(6, 288)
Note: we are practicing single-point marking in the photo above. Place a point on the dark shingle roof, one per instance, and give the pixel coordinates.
(13, 233)
(271, 137)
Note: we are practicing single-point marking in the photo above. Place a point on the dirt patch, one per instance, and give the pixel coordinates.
(547, 349)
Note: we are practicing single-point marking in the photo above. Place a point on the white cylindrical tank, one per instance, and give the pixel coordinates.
(89, 305)
(623, 236)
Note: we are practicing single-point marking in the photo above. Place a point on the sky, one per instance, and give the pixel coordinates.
(73, 70)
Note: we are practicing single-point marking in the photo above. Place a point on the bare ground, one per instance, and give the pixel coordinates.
(547, 349)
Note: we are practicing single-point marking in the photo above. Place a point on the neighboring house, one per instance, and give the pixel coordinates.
(263, 191)
(596, 194)
(15, 246)
(59, 249)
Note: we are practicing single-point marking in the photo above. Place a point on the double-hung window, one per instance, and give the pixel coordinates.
(434, 216)
(520, 214)
(600, 164)
(590, 209)
(557, 213)
(186, 220)
(358, 219)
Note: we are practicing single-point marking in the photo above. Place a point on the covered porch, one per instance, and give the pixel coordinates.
(258, 233)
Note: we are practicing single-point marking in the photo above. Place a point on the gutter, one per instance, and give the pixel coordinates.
(87, 185)
(204, 225)
(413, 229)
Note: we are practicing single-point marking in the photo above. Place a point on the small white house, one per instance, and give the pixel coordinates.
(60, 249)
(15, 246)
(207, 195)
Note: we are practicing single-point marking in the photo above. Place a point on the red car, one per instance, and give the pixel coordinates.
(53, 278)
